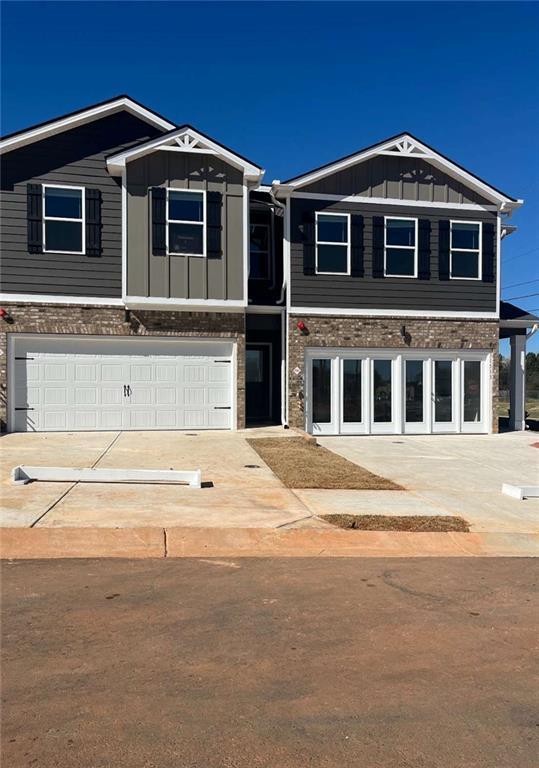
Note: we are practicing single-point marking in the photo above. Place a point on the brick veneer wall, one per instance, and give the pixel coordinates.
(365, 332)
(115, 321)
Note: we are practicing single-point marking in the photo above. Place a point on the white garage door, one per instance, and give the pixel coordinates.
(97, 383)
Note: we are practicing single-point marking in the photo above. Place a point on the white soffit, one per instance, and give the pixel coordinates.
(51, 127)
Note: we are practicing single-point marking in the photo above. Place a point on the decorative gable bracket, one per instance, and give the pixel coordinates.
(405, 147)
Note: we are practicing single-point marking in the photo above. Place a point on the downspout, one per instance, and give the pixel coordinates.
(284, 327)
(283, 208)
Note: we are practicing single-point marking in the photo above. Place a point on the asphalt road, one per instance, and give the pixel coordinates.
(419, 663)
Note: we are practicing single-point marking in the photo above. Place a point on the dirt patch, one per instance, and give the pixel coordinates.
(416, 523)
(299, 463)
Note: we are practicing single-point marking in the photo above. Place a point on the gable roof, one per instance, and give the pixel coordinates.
(184, 139)
(404, 145)
(73, 119)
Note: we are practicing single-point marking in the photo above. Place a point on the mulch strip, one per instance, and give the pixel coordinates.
(415, 523)
(300, 463)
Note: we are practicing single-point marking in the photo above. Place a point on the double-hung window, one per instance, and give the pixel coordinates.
(400, 247)
(332, 243)
(63, 219)
(465, 250)
(186, 222)
(259, 250)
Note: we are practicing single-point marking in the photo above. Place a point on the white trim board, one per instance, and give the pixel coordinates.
(360, 200)
(434, 313)
(150, 302)
(40, 298)
(80, 118)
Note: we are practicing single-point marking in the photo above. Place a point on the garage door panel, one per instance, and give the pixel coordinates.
(111, 383)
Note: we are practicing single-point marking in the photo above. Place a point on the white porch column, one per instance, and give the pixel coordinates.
(517, 383)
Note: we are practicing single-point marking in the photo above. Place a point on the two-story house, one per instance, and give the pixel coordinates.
(150, 280)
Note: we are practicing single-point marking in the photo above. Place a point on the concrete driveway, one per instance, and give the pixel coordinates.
(239, 497)
(443, 475)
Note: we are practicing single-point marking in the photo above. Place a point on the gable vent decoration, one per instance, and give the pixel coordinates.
(405, 147)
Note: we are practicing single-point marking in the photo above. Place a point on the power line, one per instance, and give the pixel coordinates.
(521, 254)
(525, 296)
(515, 285)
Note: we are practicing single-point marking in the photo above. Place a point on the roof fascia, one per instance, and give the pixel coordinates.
(116, 163)
(427, 153)
(80, 118)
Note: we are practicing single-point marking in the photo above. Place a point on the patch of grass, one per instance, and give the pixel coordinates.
(532, 407)
(299, 463)
(416, 523)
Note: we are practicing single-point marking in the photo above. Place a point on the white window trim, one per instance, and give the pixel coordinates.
(202, 223)
(81, 221)
(401, 247)
(318, 242)
(479, 250)
(268, 276)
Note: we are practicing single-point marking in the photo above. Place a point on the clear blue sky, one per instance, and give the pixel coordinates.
(295, 85)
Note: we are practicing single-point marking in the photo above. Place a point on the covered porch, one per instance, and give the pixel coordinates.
(518, 326)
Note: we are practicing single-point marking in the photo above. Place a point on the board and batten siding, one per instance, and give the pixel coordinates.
(177, 276)
(399, 178)
(78, 158)
(387, 293)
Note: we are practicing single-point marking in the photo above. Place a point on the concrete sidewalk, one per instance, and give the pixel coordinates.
(25, 543)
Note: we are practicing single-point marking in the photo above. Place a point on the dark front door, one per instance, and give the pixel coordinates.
(258, 382)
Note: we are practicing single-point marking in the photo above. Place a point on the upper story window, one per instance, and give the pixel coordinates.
(63, 219)
(333, 243)
(400, 247)
(465, 250)
(186, 222)
(259, 252)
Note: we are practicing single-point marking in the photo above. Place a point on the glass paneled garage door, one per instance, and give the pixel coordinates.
(69, 383)
(358, 391)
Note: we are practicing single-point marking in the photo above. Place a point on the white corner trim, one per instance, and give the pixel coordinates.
(124, 235)
(363, 199)
(86, 116)
(39, 298)
(246, 242)
(438, 313)
(185, 140)
(414, 148)
(154, 302)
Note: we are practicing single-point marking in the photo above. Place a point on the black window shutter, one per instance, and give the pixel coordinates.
(443, 249)
(159, 221)
(214, 227)
(34, 215)
(378, 246)
(309, 246)
(424, 249)
(357, 246)
(489, 252)
(93, 222)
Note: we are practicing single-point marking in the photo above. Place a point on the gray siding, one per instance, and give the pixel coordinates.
(184, 277)
(400, 178)
(73, 157)
(386, 293)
